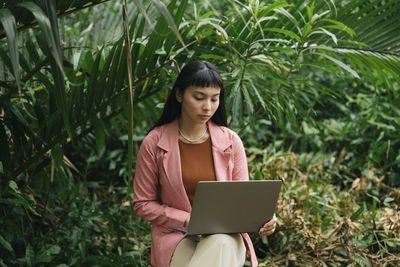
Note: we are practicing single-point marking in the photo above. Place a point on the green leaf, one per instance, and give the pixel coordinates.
(373, 206)
(237, 101)
(6, 244)
(5, 147)
(4, 56)
(100, 133)
(260, 99)
(47, 254)
(168, 17)
(341, 64)
(216, 26)
(258, 175)
(374, 197)
(58, 154)
(268, 8)
(339, 25)
(24, 199)
(310, 10)
(9, 26)
(285, 32)
(249, 102)
(45, 26)
(388, 200)
(93, 87)
(315, 17)
(357, 214)
(29, 255)
(326, 32)
(353, 42)
(289, 16)
(211, 56)
(14, 187)
(306, 29)
(139, 4)
(32, 50)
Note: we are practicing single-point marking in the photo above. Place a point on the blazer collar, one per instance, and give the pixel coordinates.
(170, 135)
(219, 138)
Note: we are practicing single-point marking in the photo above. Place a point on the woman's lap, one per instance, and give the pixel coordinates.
(219, 250)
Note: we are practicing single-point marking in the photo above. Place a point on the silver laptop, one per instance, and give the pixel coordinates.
(232, 206)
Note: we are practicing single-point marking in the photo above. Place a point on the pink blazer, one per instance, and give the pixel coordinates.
(159, 194)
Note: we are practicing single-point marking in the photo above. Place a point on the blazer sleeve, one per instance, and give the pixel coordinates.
(146, 202)
(240, 169)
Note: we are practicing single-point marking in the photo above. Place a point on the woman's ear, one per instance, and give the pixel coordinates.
(178, 95)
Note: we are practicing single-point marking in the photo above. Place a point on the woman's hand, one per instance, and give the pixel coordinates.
(268, 228)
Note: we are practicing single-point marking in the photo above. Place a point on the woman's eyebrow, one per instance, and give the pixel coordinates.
(202, 93)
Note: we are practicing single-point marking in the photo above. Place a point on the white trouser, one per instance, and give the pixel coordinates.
(217, 250)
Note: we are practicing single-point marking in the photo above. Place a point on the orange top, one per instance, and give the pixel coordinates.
(197, 165)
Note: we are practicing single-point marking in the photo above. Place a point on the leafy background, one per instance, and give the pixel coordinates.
(312, 89)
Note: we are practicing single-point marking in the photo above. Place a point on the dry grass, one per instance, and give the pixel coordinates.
(325, 222)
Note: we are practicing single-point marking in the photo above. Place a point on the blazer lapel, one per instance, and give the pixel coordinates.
(172, 163)
(221, 153)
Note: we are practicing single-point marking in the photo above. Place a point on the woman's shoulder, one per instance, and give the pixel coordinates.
(226, 133)
(154, 136)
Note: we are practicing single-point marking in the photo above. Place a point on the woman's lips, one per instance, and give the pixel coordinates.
(204, 117)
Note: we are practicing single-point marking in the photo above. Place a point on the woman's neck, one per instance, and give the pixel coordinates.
(191, 130)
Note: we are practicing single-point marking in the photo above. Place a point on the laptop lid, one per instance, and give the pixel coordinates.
(233, 206)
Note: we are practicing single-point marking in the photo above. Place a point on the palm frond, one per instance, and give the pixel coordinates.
(95, 91)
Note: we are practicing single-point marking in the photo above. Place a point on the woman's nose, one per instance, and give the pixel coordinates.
(207, 105)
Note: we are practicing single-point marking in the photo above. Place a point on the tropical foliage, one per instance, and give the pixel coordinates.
(315, 84)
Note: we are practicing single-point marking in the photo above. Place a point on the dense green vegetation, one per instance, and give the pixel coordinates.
(313, 89)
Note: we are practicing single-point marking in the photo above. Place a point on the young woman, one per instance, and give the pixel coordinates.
(189, 143)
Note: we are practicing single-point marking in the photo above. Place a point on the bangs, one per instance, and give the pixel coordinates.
(199, 73)
(205, 78)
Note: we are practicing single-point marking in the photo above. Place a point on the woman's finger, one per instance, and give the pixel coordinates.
(267, 232)
(271, 222)
(269, 227)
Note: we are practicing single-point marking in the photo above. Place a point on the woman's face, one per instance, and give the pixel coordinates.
(198, 103)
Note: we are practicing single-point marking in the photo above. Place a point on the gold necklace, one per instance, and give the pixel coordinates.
(195, 139)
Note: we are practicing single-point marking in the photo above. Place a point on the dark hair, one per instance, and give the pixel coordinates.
(195, 73)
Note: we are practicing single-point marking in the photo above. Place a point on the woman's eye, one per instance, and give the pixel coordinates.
(198, 98)
(214, 100)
